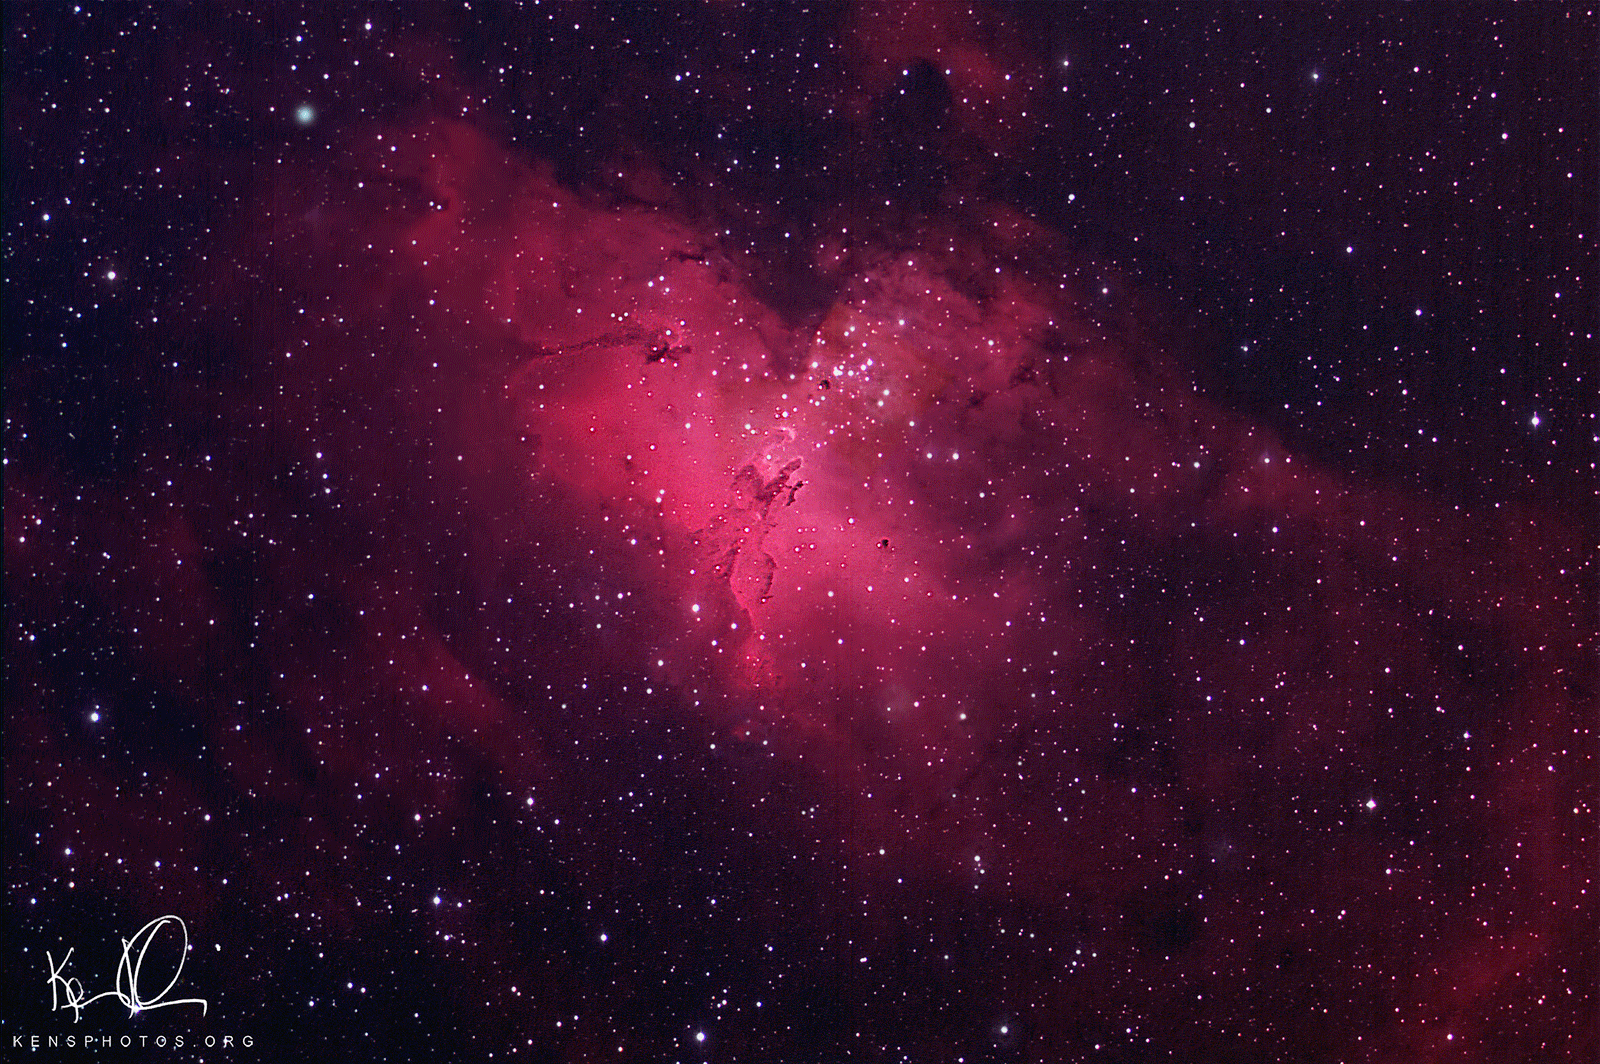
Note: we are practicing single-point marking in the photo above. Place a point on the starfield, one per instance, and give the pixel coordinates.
(920, 533)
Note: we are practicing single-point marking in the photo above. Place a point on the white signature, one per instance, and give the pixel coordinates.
(128, 973)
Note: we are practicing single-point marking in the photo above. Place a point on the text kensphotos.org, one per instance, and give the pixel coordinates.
(132, 1041)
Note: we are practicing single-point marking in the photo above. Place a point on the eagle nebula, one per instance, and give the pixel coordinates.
(904, 533)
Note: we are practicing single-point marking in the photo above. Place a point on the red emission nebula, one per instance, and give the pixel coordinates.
(603, 610)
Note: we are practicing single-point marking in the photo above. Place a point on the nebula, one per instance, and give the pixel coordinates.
(587, 602)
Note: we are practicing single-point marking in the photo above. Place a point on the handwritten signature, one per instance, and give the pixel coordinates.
(129, 969)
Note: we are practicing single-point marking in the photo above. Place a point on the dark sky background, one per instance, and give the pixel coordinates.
(722, 532)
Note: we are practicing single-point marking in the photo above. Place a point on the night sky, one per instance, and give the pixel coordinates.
(721, 532)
